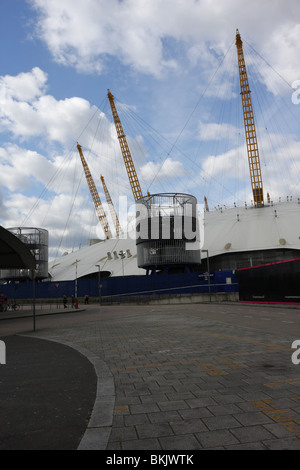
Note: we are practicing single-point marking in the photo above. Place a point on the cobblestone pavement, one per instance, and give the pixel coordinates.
(187, 377)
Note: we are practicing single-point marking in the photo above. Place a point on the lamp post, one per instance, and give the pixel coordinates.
(33, 298)
(208, 271)
(122, 255)
(99, 285)
(76, 280)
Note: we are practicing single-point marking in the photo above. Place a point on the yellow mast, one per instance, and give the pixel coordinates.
(132, 175)
(250, 131)
(94, 193)
(111, 207)
(206, 204)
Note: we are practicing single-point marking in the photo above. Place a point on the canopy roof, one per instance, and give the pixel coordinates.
(13, 252)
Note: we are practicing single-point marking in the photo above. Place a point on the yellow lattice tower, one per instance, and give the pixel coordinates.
(131, 172)
(111, 208)
(94, 193)
(250, 131)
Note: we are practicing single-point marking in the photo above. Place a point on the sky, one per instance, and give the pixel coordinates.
(172, 68)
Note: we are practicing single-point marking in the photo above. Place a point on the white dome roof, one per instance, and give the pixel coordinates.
(225, 231)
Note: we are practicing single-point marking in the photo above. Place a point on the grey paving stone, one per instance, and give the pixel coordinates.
(187, 395)
(221, 422)
(172, 405)
(164, 416)
(114, 446)
(195, 413)
(223, 398)
(153, 398)
(216, 438)
(188, 426)
(184, 442)
(118, 421)
(253, 418)
(123, 433)
(292, 443)
(252, 434)
(144, 408)
(132, 420)
(278, 430)
(218, 410)
(141, 444)
(248, 446)
(201, 402)
(153, 430)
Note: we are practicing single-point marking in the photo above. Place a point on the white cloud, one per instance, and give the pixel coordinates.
(282, 51)
(18, 168)
(138, 32)
(169, 169)
(216, 131)
(26, 111)
(230, 164)
(81, 34)
(66, 228)
(24, 86)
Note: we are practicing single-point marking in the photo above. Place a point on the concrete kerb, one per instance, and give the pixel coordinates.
(100, 423)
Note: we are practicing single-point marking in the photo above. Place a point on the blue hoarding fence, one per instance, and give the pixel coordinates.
(171, 284)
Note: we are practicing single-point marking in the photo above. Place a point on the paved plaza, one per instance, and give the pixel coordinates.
(164, 377)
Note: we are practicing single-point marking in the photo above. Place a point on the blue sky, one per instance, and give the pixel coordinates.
(171, 65)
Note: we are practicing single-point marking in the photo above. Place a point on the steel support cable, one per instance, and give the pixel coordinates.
(100, 137)
(182, 153)
(154, 141)
(221, 140)
(147, 126)
(53, 177)
(267, 63)
(295, 116)
(69, 216)
(193, 111)
(277, 126)
(149, 145)
(136, 150)
(45, 189)
(260, 103)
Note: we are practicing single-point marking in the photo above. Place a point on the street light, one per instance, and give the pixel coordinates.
(208, 271)
(77, 261)
(122, 256)
(99, 285)
(33, 297)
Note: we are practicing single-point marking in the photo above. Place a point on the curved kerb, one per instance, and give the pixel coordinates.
(99, 427)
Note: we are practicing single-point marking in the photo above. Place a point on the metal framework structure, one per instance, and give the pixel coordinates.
(131, 172)
(94, 193)
(250, 131)
(111, 208)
